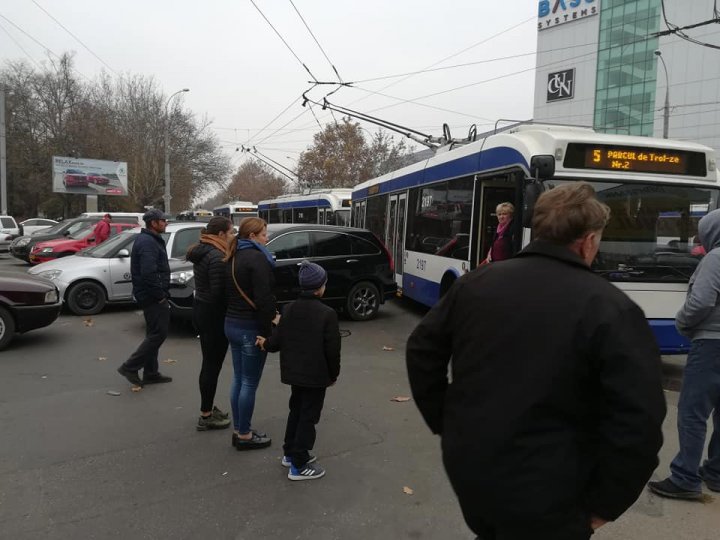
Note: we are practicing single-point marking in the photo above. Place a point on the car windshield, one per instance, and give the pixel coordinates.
(652, 232)
(82, 232)
(58, 227)
(109, 247)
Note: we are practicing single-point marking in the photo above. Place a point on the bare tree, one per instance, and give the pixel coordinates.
(254, 182)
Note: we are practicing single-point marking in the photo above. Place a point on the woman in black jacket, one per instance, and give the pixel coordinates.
(209, 306)
(250, 312)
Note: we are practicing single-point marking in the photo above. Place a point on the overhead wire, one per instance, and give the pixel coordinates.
(316, 41)
(283, 40)
(74, 36)
(2, 27)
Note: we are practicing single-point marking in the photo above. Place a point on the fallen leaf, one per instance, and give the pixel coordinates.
(89, 322)
(225, 473)
(44, 377)
(408, 491)
(400, 399)
(386, 348)
(113, 393)
(136, 388)
(102, 358)
(169, 361)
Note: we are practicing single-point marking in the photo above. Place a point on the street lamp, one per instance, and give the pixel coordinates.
(666, 109)
(167, 150)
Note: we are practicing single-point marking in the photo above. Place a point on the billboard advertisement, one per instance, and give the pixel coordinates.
(80, 176)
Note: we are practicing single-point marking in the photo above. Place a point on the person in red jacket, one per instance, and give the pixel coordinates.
(102, 229)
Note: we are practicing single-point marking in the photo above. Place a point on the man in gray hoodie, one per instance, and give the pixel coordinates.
(699, 319)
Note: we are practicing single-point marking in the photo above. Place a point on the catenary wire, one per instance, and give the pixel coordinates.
(316, 41)
(2, 27)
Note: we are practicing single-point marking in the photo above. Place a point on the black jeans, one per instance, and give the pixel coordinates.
(157, 321)
(209, 320)
(305, 407)
(577, 527)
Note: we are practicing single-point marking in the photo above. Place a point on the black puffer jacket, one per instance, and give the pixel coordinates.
(308, 339)
(149, 269)
(210, 274)
(254, 275)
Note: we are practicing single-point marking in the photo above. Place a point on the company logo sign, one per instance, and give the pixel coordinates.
(561, 85)
(553, 13)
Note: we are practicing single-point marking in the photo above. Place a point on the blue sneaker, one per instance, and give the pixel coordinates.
(308, 472)
(287, 462)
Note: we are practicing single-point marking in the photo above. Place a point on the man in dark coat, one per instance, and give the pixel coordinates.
(552, 420)
(151, 284)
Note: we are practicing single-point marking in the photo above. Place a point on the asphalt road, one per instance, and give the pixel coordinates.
(76, 462)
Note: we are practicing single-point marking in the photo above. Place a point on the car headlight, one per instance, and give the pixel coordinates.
(50, 274)
(46, 250)
(51, 297)
(182, 277)
(22, 241)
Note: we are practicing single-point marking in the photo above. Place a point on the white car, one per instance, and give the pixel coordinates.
(101, 274)
(33, 225)
(8, 230)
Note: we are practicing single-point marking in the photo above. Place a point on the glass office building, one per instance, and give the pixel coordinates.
(598, 66)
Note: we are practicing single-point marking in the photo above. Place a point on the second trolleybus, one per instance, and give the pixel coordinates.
(324, 206)
(437, 217)
(236, 211)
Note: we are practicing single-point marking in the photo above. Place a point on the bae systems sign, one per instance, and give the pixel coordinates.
(553, 13)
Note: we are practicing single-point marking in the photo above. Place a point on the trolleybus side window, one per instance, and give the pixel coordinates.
(286, 214)
(305, 215)
(377, 215)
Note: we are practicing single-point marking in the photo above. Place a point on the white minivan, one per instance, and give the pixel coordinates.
(8, 230)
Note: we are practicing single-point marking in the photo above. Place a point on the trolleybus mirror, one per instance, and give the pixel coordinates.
(542, 167)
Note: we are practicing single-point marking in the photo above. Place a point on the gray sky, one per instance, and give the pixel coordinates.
(241, 75)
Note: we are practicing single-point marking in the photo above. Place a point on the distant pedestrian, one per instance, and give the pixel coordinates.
(102, 229)
(551, 418)
(209, 305)
(308, 339)
(250, 312)
(699, 319)
(151, 282)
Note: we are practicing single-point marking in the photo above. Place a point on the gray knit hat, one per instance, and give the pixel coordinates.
(311, 276)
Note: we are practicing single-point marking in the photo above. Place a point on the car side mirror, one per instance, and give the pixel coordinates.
(122, 254)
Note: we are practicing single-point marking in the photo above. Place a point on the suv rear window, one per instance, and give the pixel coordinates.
(363, 247)
(328, 244)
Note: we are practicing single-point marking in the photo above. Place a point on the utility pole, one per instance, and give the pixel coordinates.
(3, 157)
(167, 195)
(666, 109)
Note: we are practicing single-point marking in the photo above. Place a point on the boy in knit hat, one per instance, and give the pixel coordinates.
(308, 339)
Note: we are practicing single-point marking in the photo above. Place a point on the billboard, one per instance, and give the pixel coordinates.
(89, 176)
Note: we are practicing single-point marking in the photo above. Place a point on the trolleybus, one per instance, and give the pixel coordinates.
(324, 206)
(237, 210)
(437, 217)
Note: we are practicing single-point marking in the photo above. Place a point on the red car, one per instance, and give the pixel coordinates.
(75, 178)
(98, 179)
(62, 247)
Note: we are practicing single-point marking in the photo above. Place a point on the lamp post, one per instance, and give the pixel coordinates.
(3, 157)
(167, 197)
(666, 109)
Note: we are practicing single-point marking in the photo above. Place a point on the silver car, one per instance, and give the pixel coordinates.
(101, 274)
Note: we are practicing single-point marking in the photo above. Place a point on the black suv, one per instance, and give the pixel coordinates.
(360, 269)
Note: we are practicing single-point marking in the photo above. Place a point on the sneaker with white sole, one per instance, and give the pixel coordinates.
(308, 472)
(287, 462)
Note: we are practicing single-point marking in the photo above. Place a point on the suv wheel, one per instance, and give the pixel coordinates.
(363, 301)
(7, 327)
(86, 298)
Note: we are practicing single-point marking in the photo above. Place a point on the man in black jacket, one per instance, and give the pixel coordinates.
(552, 420)
(151, 282)
(308, 339)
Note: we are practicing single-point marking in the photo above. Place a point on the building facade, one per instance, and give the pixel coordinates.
(600, 64)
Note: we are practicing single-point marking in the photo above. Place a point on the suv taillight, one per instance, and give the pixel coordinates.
(387, 252)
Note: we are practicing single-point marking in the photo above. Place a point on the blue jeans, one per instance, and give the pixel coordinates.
(700, 394)
(248, 363)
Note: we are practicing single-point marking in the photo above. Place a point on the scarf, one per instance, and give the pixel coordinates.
(214, 240)
(502, 227)
(245, 243)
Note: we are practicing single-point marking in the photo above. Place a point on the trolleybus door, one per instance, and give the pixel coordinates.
(395, 231)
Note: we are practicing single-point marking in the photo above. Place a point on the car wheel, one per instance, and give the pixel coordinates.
(86, 298)
(7, 327)
(363, 301)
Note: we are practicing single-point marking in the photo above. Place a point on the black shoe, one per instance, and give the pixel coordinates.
(253, 443)
(131, 376)
(666, 488)
(156, 378)
(712, 485)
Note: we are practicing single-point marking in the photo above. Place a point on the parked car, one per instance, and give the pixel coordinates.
(88, 280)
(98, 179)
(26, 303)
(64, 247)
(8, 230)
(33, 225)
(75, 178)
(360, 269)
(21, 247)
